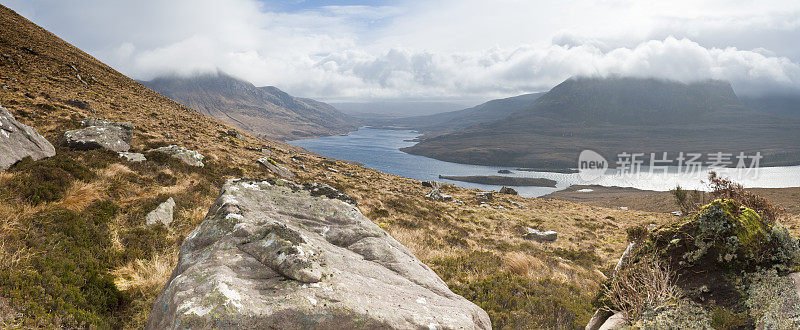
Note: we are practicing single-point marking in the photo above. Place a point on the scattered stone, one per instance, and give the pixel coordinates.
(501, 207)
(540, 236)
(349, 175)
(18, 141)
(508, 191)
(113, 138)
(273, 167)
(133, 157)
(235, 134)
(624, 208)
(189, 157)
(600, 316)
(517, 205)
(484, 196)
(433, 184)
(270, 255)
(485, 205)
(504, 172)
(437, 195)
(458, 201)
(676, 213)
(333, 170)
(163, 214)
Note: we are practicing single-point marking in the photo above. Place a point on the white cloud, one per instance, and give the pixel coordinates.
(458, 50)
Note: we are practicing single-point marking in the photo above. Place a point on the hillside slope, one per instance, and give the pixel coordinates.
(617, 115)
(265, 111)
(460, 119)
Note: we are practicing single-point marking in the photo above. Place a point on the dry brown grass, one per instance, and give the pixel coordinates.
(146, 277)
(647, 285)
(81, 194)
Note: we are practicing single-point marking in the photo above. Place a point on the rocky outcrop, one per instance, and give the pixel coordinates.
(432, 184)
(163, 214)
(271, 255)
(18, 141)
(100, 133)
(278, 170)
(189, 157)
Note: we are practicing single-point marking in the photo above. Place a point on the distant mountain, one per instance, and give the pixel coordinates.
(779, 104)
(265, 111)
(455, 120)
(615, 115)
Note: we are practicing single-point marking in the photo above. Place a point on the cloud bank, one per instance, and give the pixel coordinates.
(447, 50)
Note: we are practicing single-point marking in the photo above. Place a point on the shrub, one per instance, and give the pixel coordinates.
(68, 283)
(46, 180)
(647, 285)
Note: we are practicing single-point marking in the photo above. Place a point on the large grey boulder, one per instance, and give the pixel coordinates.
(100, 133)
(163, 214)
(271, 255)
(437, 195)
(189, 157)
(18, 141)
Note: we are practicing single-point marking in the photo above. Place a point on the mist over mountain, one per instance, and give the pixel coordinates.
(455, 120)
(615, 115)
(265, 111)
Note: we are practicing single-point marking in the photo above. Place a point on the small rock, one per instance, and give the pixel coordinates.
(676, 213)
(508, 191)
(458, 201)
(163, 214)
(485, 205)
(540, 236)
(624, 208)
(273, 166)
(133, 157)
(517, 205)
(189, 157)
(437, 195)
(333, 170)
(484, 196)
(616, 321)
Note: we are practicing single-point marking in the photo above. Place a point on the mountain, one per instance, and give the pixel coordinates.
(455, 120)
(780, 104)
(265, 111)
(616, 115)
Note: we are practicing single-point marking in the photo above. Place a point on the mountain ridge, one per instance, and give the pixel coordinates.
(265, 111)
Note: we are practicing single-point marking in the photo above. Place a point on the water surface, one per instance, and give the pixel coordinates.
(380, 149)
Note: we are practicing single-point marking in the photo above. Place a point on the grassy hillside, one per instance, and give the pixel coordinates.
(74, 251)
(617, 115)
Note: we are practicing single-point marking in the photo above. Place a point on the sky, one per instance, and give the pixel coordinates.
(450, 50)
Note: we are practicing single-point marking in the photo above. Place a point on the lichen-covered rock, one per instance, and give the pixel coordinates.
(18, 141)
(271, 255)
(115, 138)
(189, 157)
(93, 121)
(432, 184)
(273, 167)
(163, 214)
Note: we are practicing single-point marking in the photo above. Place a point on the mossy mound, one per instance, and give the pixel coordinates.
(724, 235)
(708, 260)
